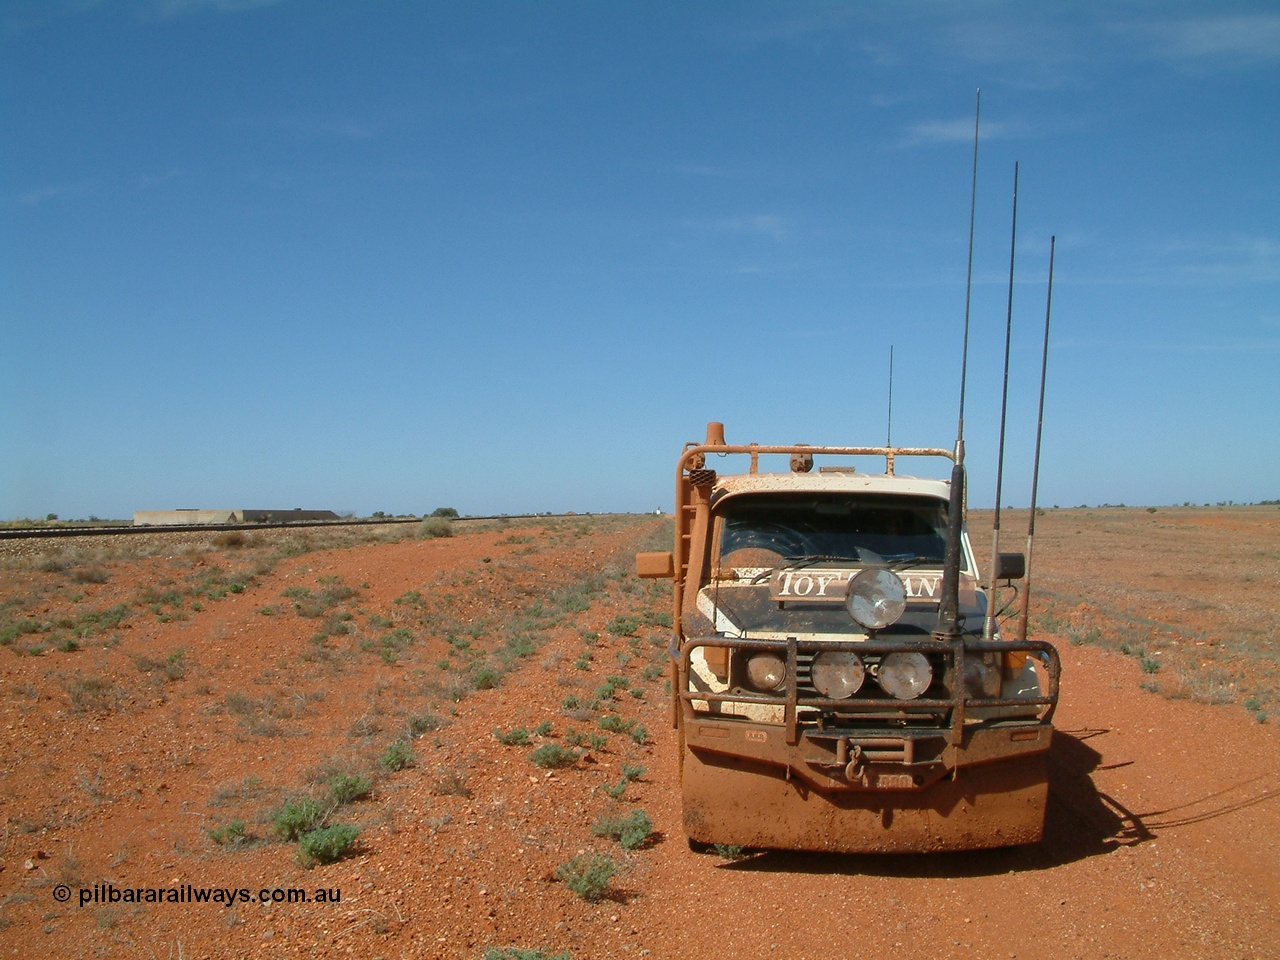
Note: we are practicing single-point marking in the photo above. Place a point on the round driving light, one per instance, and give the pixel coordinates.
(837, 674)
(905, 675)
(766, 671)
(876, 597)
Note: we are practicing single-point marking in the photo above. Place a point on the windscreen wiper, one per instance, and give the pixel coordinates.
(808, 560)
(903, 563)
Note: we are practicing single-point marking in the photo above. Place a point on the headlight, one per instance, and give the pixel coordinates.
(905, 675)
(837, 674)
(876, 597)
(766, 671)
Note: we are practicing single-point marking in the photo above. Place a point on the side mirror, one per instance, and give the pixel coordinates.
(1010, 566)
(656, 566)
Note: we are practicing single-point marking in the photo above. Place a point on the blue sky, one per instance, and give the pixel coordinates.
(509, 256)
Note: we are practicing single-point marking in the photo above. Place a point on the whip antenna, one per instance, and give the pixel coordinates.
(968, 284)
(1035, 469)
(888, 433)
(989, 628)
(948, 627)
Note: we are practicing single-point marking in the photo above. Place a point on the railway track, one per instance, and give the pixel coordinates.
(29, 533)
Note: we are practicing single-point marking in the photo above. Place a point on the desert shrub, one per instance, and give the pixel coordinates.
(654, 618)
(425, 723)
(91, 695)
(521, 646)
(630, 831)
(9, 632)
(397, 756)
(609, 689)
(485, 678)
(516, 737)
(349, 787)
(90, 574)
(615, 724)
(99, 621)
(172, 667)
(551, 756)
(335, 625)
(327, 844)
(623, 626)
(587, 875)
(519, 953)
(388, 647)
(433, 527)
(296, 817)
(363, 726)
(333, 591)
(229, 834)
(593, 741)
(314, 605)
(412, 598)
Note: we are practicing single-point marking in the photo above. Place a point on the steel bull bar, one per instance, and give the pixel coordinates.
(847, 753)
(880, 775)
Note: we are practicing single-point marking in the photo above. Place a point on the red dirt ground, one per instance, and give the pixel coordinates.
(124, 750)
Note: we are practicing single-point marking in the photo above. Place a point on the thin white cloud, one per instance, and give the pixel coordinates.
(54, 191)
(1239, 259)
(19, 16)
(958, 131)
(1000, 37)
(791, 26)
(1230, 37)
(764, 225)
(1183, 261)
(179, 8)
(1215, 346)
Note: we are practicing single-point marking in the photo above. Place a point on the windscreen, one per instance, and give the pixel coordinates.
(868, 528)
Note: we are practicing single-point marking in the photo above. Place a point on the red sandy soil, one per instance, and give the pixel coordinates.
(123, 755)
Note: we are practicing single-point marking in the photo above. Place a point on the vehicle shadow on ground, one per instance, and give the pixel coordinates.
(1080, 822)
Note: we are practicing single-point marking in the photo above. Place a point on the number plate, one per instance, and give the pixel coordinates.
(892, 781)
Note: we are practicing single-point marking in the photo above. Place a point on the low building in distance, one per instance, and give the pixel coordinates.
(184, 517)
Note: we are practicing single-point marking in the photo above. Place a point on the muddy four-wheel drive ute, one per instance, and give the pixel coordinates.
(831, 683)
